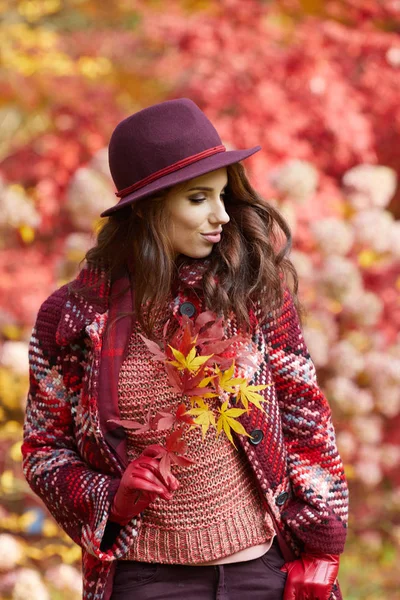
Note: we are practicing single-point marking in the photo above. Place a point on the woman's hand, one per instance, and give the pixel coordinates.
(311, 576)
(140, 485)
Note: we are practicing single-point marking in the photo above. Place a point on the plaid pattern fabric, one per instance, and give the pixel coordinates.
(73, 459)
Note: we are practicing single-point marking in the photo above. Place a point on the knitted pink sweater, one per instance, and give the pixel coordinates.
(217, 510)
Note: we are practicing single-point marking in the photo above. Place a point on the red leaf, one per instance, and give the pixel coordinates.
(175, 443)
(181, 461)
(199, 391)
(213, 333)
(154, 348)
(131, 425)
(191, 380)
(174, 378)
(165, 420)
(244, 360)
(182, 417)
(165, 328)
(205, 317)
(165, 466)
(155, 450)
(216, 347)
(224, 362)
(187, 340)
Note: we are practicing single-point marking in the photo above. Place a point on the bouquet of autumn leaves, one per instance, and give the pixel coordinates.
(200, 365)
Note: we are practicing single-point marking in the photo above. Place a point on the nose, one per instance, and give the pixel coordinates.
(219, 215)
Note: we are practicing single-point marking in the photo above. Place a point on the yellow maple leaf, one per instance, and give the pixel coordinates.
(203, 383)
(227, 422)
(206, 380)
(248, 393)
(225, 380)
(191, 362)
(203, 416)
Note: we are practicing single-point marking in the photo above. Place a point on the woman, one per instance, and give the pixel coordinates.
(174, 425)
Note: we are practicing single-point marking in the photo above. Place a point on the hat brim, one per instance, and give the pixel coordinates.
(205, 165)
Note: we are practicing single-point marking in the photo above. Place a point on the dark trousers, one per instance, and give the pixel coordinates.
(258, 579)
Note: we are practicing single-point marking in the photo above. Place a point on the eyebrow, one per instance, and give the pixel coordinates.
(204, 189)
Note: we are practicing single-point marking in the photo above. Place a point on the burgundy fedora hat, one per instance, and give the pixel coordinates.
(163, 145)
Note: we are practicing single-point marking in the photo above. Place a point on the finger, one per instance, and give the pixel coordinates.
(170, 481)
(146, 462)
(151, 477)
(147, 475)
(138, 483)
(154, 466)
(173, 483)
(151, 464)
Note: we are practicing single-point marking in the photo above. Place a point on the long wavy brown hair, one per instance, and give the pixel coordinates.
(250, 262)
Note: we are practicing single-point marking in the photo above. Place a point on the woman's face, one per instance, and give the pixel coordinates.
(196, 208)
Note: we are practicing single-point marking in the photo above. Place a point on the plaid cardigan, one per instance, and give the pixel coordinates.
(73, 458)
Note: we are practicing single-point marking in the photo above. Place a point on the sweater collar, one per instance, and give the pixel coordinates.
(190, 275)
(78, 312)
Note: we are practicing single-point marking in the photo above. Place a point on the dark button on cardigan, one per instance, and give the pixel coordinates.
(187, 308)
(256, 437)
(281, 499)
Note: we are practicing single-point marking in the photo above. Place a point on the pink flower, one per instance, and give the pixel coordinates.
(289, 213)
(66, 578)
(394, 243)
(346, 359)
(88, 194)
(383, 368)
(348, 396)
(390, 456)
(29, 585)
(296, 180)
(369, 429)
(320, 318)
(11, 552)
(333, 236)
(393, 56)
(373, 229)
(347, 444)
(364, 307)
(369, 186)
(99, 163)
(339, 277)
(16, 209)
(387, 399)
(368, 472)
(14, 356)
(303, 264)
(318, 345)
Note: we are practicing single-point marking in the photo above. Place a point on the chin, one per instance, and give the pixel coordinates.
(196, 254)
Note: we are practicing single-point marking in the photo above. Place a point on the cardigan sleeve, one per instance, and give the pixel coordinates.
(78, 497)
(318, 512)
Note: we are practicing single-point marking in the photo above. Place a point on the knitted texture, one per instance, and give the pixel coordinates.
(217, 510)
(69, 464)
(314, 465)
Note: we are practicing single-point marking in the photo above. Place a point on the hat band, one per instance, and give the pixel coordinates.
(170, 169)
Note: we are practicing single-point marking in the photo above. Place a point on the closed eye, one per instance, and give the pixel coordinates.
(200, 199)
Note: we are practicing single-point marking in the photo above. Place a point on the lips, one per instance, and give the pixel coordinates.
(212, 237)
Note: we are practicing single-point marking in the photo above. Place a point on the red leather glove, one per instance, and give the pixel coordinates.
(140, 485)
(311, 576)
